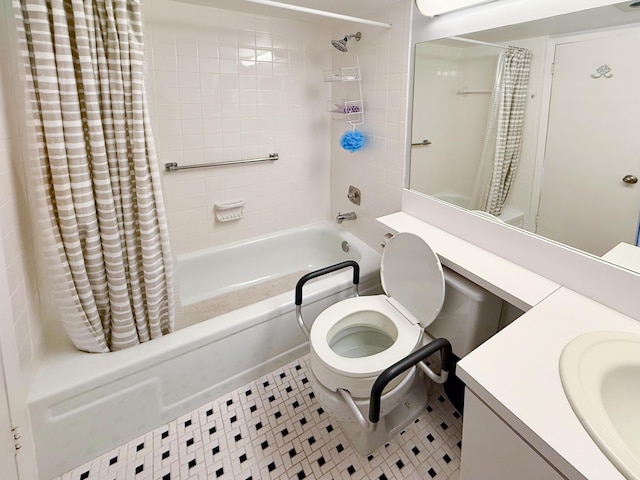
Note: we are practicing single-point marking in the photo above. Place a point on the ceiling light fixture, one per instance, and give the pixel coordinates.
(322, 13)
(432, 8)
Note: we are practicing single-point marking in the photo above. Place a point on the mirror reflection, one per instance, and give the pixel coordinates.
(536, 125)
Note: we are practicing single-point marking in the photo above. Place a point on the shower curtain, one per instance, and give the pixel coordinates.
(503, 137)
(104, 229)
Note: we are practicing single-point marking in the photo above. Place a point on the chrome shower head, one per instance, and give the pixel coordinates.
(341, 45)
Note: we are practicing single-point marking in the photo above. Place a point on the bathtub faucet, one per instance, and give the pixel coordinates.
(345, 216)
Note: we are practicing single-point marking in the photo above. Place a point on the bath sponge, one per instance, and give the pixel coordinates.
(352, 141)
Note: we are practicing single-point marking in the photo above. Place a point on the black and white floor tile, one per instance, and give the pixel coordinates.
(273, 428)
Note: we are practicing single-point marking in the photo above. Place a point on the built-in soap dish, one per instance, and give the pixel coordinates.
(226, 212)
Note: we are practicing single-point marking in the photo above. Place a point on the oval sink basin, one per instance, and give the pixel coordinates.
(600, 373)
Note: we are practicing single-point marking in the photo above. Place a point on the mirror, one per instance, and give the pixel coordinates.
(579, 153)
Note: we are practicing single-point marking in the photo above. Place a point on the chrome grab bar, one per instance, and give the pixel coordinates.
(173, 166)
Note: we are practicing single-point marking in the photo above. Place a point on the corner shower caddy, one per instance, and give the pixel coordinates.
(349, 108)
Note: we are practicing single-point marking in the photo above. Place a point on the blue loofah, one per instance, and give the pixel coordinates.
(352, 141)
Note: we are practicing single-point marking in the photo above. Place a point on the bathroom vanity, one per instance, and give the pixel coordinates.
(518, 422)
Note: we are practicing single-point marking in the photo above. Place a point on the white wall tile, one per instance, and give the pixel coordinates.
(377, 169)
(166, 79)
(255, 97)
(15, 228)
(165, 62)
(227, 66)
(213, 65)
(187, 64)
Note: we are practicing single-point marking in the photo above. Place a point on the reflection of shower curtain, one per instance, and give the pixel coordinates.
(501, 150)
(105, 231)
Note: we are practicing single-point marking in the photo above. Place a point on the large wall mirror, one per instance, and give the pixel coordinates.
(560, 155)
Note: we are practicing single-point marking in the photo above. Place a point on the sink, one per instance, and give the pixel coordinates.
(600, 373)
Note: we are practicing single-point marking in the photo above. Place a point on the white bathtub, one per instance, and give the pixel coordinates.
(83, 405)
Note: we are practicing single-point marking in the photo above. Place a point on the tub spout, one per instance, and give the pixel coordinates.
(341, 217)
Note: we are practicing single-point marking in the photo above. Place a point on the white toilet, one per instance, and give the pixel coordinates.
(355, 340)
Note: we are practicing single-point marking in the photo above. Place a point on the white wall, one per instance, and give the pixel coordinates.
(478, 71)
(455, 123)
(15, 228)
(437, 73)
(378, 168)
(227, 86)
(20, 327)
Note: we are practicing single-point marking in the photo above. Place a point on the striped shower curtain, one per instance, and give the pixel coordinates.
(100, 185)
(503, 138)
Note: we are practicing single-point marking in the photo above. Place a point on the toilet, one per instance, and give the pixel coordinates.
(354, 342)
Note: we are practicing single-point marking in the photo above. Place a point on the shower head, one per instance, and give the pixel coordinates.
(341, 45)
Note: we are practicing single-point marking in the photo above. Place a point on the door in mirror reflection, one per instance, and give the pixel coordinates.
(593, 142)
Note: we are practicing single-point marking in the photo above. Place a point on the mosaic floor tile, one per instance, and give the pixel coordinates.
(273, 428)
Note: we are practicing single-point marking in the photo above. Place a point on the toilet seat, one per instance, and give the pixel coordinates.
(331, 369)
(413, 281)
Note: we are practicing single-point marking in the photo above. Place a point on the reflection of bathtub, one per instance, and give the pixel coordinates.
(509, 215)
(83, 405)
(454, 198)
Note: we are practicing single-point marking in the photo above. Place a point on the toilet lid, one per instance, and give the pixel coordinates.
(411, 274)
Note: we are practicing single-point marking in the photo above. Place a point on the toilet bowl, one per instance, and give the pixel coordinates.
(353, 341)
(366, 352)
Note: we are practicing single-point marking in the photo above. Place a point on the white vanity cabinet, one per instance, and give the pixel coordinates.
(492, 450)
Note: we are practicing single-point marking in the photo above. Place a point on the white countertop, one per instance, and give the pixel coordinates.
(516, 372)
(624, 255)
(523, 385)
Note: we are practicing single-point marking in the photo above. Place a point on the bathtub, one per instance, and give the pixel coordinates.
(84, 405)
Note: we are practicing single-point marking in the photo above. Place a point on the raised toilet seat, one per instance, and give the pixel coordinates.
(413, 281)
(357, 339)
(364, 350)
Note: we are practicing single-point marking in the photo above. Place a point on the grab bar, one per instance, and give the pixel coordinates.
(318, 273)
(473, 92)
(406, 363)
(173, 166)
(416, 358)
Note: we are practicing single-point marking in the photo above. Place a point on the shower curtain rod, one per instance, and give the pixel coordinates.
(321, 13)
(478, 42)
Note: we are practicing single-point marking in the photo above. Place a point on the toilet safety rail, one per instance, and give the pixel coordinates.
(413, 359)
(318, 273)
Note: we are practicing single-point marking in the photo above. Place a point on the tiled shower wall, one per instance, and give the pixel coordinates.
(458, 127)
(377, 169)
(15, 228)
(227, 86)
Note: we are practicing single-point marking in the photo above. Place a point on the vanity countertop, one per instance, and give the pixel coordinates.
(523, 386)
(624, 255)
(516, 372)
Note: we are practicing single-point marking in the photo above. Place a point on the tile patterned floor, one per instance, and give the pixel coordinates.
(273, 428)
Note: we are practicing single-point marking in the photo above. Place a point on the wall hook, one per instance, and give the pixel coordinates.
(603, 71)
